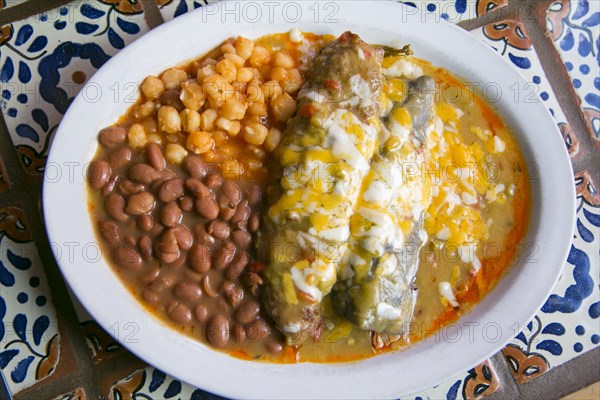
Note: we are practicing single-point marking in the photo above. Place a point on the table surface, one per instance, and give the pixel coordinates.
(50, 348)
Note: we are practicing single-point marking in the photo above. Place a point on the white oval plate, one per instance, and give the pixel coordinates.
(480, 333)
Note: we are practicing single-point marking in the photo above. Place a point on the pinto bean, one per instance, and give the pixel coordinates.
(98, 174)
(253, 194)
(186, 203)
(145, 222)
(231, 194)
(224, 256)
(258, 330)
(213, 181)
(207, 207)
(127, 187)
(194, 165)
(199, 258)
(226, 213)
(219, 229)
(170, 215)
(240, 218)
(119, 157)
(241, 239)
(247, 312)
(237, 266)
(238, 332)
(233, 294)
(140, 203)
(110, 232)
(187, 291)
(202, 236)
(167, 248)
(155, 156)
(254, 222)
(171, 98)
(217, 332)
(150, 296)
(200, 312)
(184, 237)
(274, 345)
(197, 188)
(127, 258)
(112, 136)
(114, 205)
(179, 313)
(166, 175)
(143, 173)
(145, 245)
(110, 185)
(171, 190)
(150, 275)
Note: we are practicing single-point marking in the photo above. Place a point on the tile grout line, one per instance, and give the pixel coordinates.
(152, 14)
(565, 94)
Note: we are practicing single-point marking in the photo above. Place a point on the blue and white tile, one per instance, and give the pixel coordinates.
(46, 59)
(29, 338)
(574, 27)
(4, 4)
(170, 9)
(455, 11)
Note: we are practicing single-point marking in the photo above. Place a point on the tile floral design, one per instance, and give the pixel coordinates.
(455, 11)
(478, 382)
(46, 59)
(77, 394)
(29, 341)
(170, 9)
(574, 27)
(150, 383)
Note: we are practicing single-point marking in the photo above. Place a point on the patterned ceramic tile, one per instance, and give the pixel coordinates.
(455, 11)
(574, 26)
(477, 383)
(101, 345)
(29, 341)
(568, 323)
(150, 383)
(4, 4)
(170, 9)
(77, 394)
(45, 60)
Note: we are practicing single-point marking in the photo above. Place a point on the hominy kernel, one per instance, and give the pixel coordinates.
(144, 110)
(284, 60)
(227, 69)
(173, 78)
(154, 138)
(192, 95)
(254, 93)
(220, 137)
(235, 59)
(273, 139)
(233, 110)
(244, 75)
(175, 153)
(136, 136)
(218, 90)
(150, 125)
(271, 89)
(244, 47)
(199, 142)
(207, 61)
(278, 74)
(208, 119)
(153, 87)
(260, 56)
(205, 71)
(283, 107)
(168, 119)
(259, 109)
(231, 127)
(255, 133)
(228, 48)
(190, 120)
(294, 81)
